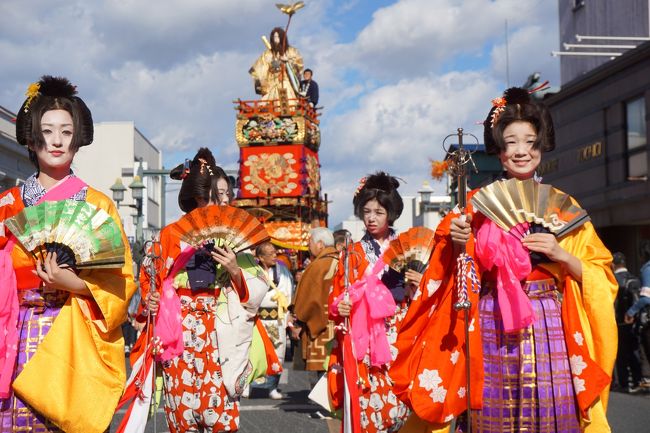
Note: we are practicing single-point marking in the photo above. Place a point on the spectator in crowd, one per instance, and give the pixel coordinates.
(310, 304)
(628, 367)
(273, 310)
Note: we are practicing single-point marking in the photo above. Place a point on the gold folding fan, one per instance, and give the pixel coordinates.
(411, 250)
(223, 225)
(82, 235)
(509, 203)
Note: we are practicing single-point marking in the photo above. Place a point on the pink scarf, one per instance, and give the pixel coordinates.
(8, 318)
(63, 190)
(496, 248)
(372, 303)
(168, 320)
(9, 308)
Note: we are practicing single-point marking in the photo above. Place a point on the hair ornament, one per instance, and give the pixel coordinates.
(204, 166)
(514, 95)
(32, 92)
(499, 105)
(362, 183)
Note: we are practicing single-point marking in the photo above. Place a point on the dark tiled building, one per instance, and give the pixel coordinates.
(601, 120)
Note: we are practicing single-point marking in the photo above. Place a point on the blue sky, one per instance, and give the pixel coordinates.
(396, 76)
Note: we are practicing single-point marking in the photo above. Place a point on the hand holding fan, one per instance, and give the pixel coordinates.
(411, 250)
(210, 226)
(220, 225)
(82, 235)
(518, 206)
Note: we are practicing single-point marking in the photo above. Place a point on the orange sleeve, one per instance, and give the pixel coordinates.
(357, 265)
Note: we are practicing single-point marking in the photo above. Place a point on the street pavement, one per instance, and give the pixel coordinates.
(295, 413)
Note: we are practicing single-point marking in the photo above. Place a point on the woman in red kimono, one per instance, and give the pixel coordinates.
(542, 333)
(378, 300)
(201, 390)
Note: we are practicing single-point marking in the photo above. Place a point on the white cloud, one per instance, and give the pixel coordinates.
(417, 71)
(412, 36)
(399, 128)
(528, 51)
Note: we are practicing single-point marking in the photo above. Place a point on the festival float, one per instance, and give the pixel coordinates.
(279, 137)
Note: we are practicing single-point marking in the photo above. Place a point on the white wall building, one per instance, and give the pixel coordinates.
(15, 166)
(119, 146)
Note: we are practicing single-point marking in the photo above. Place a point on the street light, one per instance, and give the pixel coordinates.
(137, 188)
(425, 194)
(118, 189)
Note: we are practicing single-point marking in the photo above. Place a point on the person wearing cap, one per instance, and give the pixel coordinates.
(542, 331)
(627, 360)
(63, 339)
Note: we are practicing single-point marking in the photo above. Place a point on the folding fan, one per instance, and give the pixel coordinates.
(82, 235)
(517, 206)
(411, 250)
(220, 225)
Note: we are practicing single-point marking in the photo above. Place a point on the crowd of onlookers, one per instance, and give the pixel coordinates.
(632, 372)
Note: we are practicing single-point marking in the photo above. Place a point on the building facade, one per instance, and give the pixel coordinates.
(115, 153)
(15, 166)
(601, 123)
(587, 23)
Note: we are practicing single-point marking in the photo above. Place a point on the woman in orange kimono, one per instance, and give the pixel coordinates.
(205, 356)
(45, 382)
(542, 333)
(378, 300)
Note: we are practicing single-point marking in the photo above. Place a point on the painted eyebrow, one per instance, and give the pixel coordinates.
(53, 124)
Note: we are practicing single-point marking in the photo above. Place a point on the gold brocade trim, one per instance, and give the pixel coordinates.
(268, 313)
(239, 134)
(298, 138)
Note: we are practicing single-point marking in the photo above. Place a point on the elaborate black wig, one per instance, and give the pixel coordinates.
(383, 188)
(519, 107)
(52, 93)
(200, 177)
(280, 47)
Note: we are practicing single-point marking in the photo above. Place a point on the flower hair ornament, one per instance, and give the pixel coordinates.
(32, 92)
(512, 96)
(362, 183)
(204, 166)
(499, 105)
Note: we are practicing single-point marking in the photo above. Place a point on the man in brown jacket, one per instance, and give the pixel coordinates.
(310, 302)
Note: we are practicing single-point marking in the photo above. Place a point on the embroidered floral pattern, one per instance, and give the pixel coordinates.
(433, 286)
(578, 338)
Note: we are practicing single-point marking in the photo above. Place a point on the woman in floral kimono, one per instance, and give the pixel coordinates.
(201, 389)
(542, 333)
(378, 300)
(80, 312)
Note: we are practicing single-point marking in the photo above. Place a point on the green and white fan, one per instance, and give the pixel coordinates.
(82, 235)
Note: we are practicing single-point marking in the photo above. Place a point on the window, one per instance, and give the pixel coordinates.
(153, 184)
(637, 139)
(577, 4)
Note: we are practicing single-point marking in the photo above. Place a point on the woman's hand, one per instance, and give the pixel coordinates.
(55, 277)
(345, 307)
(412, 278)
(547, 244)
(228, 259)
(152, 301)
(461, 229)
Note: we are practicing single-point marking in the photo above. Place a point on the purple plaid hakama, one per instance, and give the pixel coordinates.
(528, 385)
(37, 313)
